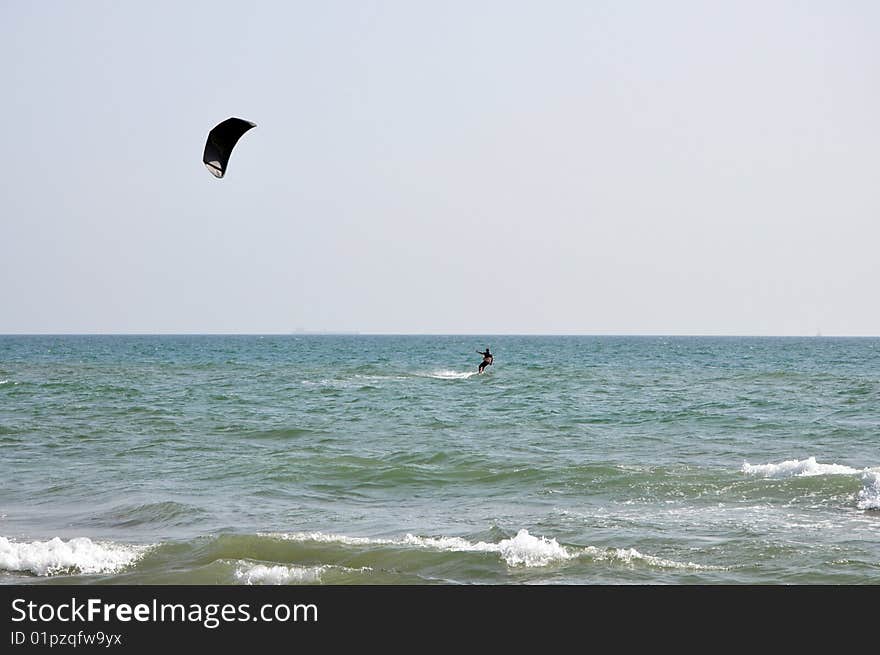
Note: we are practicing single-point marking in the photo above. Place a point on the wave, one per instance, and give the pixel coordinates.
(281, 433)
(797, 468)
(522, 550)
(80, 555)
(254, 573)
(251, 574)
(312, 558)
(631, 556)
(869, 496)
(161, 513)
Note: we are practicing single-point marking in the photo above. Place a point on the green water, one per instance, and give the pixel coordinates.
(383, 459)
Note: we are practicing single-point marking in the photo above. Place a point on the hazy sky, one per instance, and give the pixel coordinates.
(614, 167)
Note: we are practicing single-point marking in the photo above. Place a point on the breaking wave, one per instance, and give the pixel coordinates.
(797, 468)
(522, 550)
(869, 496)
(80, 555)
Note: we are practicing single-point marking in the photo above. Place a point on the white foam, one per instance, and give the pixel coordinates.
(439, 543)
(631, 556)
(378, 378)
(869, 496)
(79, 555)
(252, 574)
(321, 537)
(526, 550)
(451, 375)
(796, 468)
(521, 550)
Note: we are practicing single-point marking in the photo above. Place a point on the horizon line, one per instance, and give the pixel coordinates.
(431, 334)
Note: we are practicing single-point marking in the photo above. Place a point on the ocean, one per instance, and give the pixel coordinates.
(362, 460)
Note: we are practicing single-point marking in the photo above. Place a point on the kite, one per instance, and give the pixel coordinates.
(221, 141)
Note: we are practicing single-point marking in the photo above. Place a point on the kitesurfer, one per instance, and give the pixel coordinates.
(487, 359)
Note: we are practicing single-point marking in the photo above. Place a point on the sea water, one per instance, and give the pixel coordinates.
(347, 459)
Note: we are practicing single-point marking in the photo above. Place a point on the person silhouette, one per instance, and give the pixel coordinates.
(487, 360)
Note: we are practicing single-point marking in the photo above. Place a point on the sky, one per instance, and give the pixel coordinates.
(585, 167)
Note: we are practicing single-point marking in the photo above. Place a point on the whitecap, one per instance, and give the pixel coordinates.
(321, 537)
(527, 550)
(796, 468)
(522, 550)
(253, 574)
(869, 495)
(631, 556)
(79, 555)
